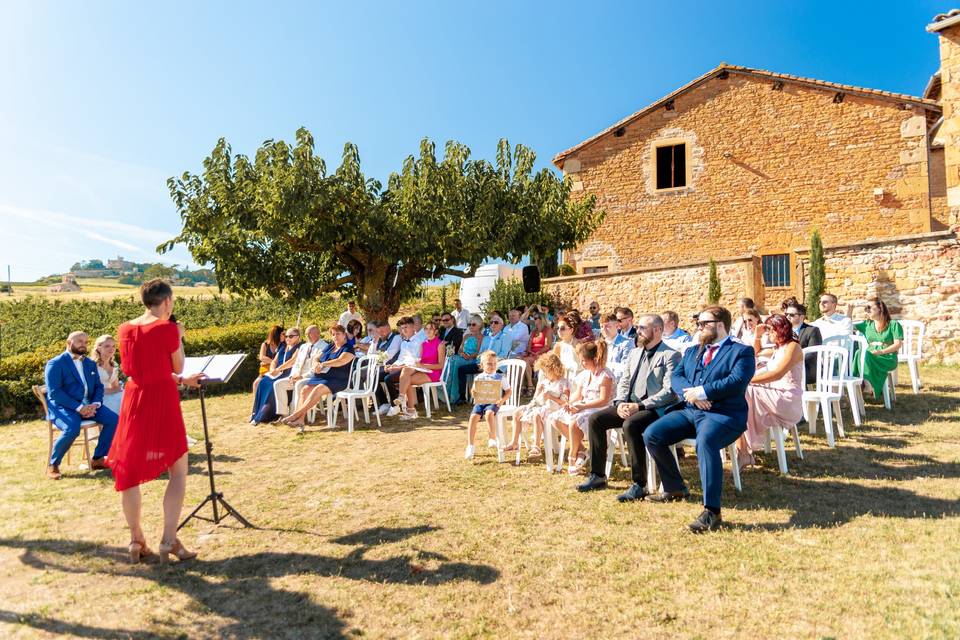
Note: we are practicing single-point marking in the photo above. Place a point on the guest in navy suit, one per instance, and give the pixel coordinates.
(75, 394)
(712, 380)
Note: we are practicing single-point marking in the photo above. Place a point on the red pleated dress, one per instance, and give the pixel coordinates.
(150, 435)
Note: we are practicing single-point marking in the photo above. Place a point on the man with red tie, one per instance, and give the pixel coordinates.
(712, 380)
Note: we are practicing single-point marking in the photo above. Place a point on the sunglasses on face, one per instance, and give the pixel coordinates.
(496, 322)
(703, 323)
(621, 319)
(791, 315)
(562, 327)
(293, 335)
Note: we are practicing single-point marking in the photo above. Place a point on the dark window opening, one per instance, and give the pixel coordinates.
(776, 270)
(597, 269)
(672, 166)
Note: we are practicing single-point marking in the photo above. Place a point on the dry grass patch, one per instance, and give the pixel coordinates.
(389, 533)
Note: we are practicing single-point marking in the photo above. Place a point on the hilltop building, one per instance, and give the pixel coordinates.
(741, 165)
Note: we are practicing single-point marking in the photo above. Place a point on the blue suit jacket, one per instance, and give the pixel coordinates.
(65, 389)
(724, 381)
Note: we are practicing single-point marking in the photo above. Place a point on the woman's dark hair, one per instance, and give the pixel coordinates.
(154, 292)
(789, 302)
(355, 328)
(431, 323)
(884, 311)
(782, 329)
(273, 336)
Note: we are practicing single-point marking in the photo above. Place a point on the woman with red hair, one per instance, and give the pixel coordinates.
(775, 394)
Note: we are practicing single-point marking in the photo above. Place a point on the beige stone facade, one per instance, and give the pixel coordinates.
(768, 159)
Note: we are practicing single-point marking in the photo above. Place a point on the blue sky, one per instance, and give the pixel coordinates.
(103, 101)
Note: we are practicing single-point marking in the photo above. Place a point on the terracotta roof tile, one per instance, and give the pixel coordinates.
(759, 73)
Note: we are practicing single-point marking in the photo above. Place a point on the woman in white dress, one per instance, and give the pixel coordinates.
(566, 345)
(592, 391)
(104, 351)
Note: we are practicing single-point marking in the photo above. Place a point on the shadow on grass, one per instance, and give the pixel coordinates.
(239, 588)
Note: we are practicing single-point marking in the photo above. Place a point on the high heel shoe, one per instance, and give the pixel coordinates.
(177, 549)
(140, 552)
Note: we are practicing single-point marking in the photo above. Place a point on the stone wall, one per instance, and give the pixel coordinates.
(682, 288)
(766, 165)
(917, 277)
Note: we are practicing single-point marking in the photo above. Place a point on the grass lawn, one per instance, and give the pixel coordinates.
(390, 533)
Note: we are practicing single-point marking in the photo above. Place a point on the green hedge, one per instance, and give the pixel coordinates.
(18, 373)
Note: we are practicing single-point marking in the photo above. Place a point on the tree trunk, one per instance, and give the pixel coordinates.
(549, 265)
(378, 298)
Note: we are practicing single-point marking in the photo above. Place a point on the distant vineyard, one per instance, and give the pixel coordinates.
(37, 322)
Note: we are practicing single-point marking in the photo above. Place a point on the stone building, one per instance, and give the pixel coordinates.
(68, 283)
(741, 165)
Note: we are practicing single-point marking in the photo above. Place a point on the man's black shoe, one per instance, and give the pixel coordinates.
(669, 496)
(593, 482)
(706, 521)
(635, 492)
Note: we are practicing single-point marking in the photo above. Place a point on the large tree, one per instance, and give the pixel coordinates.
(282, 225)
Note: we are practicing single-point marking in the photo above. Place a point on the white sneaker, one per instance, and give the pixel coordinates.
(394, 410)
(383, 409)
(468, 454)
(491, 443)
(410, 415)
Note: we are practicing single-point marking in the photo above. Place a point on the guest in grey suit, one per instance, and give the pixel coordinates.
(643, 394)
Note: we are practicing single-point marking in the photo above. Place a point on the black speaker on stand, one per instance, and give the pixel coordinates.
(531, 279)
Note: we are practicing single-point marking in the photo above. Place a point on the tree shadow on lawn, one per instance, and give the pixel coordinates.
(239, 588)
(937, 402)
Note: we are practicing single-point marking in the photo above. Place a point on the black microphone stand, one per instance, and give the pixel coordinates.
(215, 498)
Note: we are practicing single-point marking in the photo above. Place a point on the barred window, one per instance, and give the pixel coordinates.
(776, 270)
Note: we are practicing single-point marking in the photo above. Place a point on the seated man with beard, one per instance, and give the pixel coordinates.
(75, 394)
(712, 381)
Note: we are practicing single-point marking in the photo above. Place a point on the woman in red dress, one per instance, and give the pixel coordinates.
(150, 436)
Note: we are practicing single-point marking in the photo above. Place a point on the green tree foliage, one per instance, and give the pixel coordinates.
(158, 271)
(507, 294)
(281, 224)
(713, 291)
(817, 276)
(443, 299)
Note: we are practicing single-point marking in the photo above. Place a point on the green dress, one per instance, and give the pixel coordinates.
(876, 368)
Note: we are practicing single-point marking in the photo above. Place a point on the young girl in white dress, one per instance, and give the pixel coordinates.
(553, 389)
(592, 391)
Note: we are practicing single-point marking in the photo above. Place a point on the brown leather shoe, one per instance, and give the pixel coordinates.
(98, 463)
(53, 471)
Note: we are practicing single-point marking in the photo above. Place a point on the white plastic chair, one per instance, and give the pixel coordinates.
(615, 438)
(329, 401)
(514, 369)
(692, 444)
(831, 371)
(430, 388)
(363, 387)
(854, 383)
(911, 350)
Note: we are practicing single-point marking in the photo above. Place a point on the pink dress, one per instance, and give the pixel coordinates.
(430, 354)
(590, 385)
(778, 403)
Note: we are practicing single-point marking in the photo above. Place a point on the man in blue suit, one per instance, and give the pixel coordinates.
(75, 394)
(712, 380)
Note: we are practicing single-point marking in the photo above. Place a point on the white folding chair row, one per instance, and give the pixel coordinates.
(616, 438)
(652, 484)
(329, 402)
(363, 387)
(514, 370)
(550, 437)
(831, 372)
